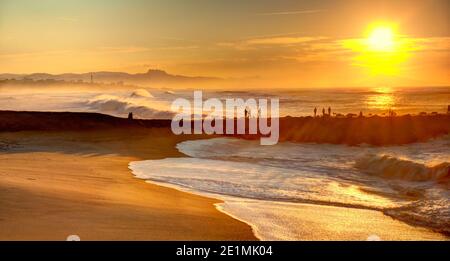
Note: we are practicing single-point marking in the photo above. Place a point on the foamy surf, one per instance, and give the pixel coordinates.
(266, 186)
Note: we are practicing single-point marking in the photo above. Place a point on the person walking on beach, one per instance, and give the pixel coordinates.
(315, 111)
(323, 112)
(329, 111)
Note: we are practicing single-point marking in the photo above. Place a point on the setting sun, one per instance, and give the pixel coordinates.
(381, 51)
(381, 39)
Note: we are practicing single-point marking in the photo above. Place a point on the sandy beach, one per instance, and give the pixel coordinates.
(55, 185)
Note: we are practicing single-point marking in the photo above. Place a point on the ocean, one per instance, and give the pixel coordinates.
(155, 103)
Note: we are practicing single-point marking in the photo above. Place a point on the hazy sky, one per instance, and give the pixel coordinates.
(283, 43)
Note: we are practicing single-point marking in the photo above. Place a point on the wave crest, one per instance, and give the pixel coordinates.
(392, 167)
(121, 106)
(141, 93)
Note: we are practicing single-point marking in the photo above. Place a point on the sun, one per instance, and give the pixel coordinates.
(381, 39)
(381, 50)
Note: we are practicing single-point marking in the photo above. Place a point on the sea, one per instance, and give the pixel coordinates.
(148, 103)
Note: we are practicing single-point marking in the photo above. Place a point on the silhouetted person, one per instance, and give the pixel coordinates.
(315, 111)
(130, 115)
(392, 113)
(323, 112)
(329, 111)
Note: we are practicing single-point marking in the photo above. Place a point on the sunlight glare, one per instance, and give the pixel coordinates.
(382, 51)
(381, 39)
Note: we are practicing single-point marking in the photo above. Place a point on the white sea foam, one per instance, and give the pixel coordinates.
(255, 181)
(140, 103)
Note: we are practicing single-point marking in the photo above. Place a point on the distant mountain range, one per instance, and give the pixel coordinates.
(152, 76)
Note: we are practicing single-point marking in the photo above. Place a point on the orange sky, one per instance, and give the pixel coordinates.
(279, 43)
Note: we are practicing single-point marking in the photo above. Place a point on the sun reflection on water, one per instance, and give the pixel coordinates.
(383, 89)
(382, 99)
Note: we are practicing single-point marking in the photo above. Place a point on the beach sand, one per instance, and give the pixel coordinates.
(53, 185)
(56, 184)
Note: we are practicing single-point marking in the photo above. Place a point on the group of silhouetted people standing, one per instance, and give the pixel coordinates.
(323, 112)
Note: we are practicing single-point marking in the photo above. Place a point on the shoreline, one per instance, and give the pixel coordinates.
(382, 228)
(169, 178)
(217, 205)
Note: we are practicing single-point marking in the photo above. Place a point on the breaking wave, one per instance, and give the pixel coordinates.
(387, 166)
(140, 103)
(141, 93)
